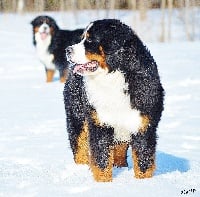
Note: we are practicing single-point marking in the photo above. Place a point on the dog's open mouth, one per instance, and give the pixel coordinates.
(43, 35)
(89, 67)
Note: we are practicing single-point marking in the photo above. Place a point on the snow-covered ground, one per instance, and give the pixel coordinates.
(35, 158)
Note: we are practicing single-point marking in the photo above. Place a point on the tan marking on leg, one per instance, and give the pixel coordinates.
(138, 174)
(82, 154)
(120, 154)
(63, 79)
(145, 124)
(50, 74)
(95, 118)
(103, 175)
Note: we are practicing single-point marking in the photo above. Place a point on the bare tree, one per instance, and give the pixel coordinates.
(193, 19)
(162, 36)
(14, 5)
(187, 19)
(143, 9)
(134, 3)
(20, 6)
(62, 5)
(170, 7)
(39, 5)
(110, 6)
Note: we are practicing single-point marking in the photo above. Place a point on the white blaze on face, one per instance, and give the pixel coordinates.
(78, 56)
(43, 34)
(43, 40)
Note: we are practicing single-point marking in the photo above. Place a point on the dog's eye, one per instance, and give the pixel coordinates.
(89, 40)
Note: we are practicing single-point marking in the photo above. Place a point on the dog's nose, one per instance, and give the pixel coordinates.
(69, 51)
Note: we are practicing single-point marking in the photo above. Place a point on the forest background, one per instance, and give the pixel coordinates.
(188, 11)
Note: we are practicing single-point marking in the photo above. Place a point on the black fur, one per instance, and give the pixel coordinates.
(126, 53)
(61, 39)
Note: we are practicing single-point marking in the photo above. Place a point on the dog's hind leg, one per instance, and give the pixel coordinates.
(63, 75)
(120, 154)
(49, 75)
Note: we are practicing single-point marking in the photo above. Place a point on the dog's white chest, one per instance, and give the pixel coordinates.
(106, 93)
(42, 51)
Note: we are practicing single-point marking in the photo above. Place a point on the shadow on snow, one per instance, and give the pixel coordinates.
(165, 163)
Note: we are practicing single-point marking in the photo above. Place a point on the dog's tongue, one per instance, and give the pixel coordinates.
(43, 35)
(90, 66)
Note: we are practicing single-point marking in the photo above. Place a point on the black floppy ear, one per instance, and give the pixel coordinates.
(114, 60)
(32, 22)
(110, 46)
(54, 24)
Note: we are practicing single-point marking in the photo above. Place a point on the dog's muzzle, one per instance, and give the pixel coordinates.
(69, 51)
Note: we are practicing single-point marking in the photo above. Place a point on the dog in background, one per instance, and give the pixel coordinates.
(50, 42)
(113, 100)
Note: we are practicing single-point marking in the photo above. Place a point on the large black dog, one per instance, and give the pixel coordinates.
(113, 100)
(51, 42)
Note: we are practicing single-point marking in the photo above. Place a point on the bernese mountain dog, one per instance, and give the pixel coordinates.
(50, 42)
(113, 100)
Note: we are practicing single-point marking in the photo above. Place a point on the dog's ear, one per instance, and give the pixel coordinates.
(116, 39)
(32, 22)
(55, 26)
(114, 60)
(35, 21)
(110, 46)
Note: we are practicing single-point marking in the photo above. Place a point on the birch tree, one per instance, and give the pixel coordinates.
(39, 5)
(170, 7)
(20, 6)
(142, 9)
(162, 36)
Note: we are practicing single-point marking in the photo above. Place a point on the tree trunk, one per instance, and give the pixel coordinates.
(162, 36)
(187, 23)
(39, 5)
(170, 6)
(110, 8)
(20, 6)
(142, 8)
(62, 5)
(192, 19)
(134, 19)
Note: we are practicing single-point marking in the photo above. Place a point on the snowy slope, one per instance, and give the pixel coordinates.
(35, 158)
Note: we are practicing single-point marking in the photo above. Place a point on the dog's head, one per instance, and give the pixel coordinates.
(102, 47)
(44, 27)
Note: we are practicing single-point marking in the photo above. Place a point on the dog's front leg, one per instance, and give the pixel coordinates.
(101, 152)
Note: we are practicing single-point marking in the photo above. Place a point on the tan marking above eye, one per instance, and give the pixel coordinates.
(87, 35)
(36, 29)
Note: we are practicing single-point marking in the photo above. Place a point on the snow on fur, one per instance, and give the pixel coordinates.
(35, 157)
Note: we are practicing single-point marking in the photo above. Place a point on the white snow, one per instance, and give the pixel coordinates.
(35, 158)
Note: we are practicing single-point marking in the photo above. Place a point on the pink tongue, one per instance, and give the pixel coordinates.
(43, 36)
(79, 67)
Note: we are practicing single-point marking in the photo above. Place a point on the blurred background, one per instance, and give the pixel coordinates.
(160, 18)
